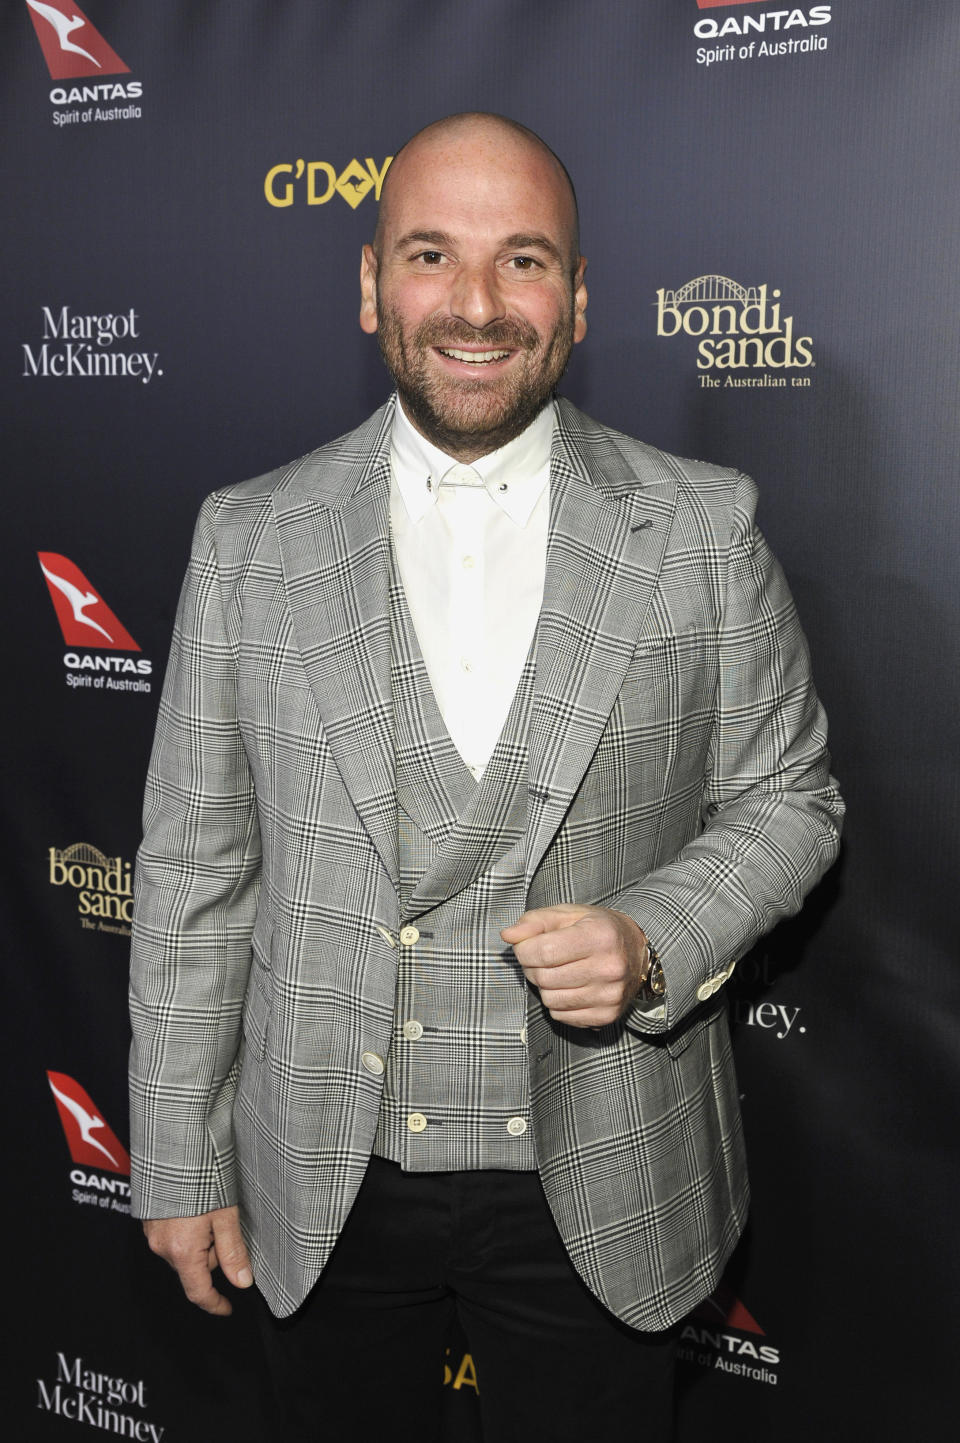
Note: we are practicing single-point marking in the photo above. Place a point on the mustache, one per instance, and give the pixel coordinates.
(507, 335)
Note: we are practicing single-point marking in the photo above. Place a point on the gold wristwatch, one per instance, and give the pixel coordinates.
(655, 984)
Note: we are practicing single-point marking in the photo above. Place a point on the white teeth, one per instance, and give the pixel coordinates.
(474, 357)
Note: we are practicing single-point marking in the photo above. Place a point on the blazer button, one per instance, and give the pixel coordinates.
(373, 1062)
(409, 936)
(706, 989)
(416, 1122)
(517, 1126)
(413, 1030)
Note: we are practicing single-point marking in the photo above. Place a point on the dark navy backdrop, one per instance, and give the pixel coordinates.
(770, 211)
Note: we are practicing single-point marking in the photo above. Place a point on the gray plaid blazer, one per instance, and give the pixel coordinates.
(677, 772)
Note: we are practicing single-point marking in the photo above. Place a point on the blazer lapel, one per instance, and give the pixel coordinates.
(333, 529)
(604, 553)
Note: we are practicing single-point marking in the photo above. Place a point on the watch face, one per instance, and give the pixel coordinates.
(657, 982)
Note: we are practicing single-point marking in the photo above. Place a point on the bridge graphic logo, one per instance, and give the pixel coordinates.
(737, 326)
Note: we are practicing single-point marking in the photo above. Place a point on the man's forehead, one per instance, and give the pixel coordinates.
(456, 195)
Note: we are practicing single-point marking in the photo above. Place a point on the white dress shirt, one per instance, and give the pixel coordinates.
(471, 547)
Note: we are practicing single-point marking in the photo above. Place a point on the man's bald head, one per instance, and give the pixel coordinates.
(472, 126)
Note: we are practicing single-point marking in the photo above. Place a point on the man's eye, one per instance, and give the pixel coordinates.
(430, 258)
(524, 263)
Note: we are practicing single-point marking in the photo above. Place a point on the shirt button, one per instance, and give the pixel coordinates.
(373, 1062)
(466, 664)
(416, 1122)
(468, 563)
(413, 1031)
(409, 936)
(517, 1126)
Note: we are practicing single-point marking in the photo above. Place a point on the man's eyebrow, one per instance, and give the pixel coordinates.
(437, 238)
(534, 241)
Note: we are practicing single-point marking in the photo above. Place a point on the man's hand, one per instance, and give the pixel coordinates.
(589, 963)
(195, 1246)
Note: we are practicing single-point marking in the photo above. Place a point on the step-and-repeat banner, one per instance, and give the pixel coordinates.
(769, 200)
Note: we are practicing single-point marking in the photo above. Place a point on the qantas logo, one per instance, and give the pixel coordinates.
(85, 618)
(762, 24)
(71, 45)
(723, 1306)
(91, 1141)
(725, 1337)
(92, 632)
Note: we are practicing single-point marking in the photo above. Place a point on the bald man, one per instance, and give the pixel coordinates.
(488, 745)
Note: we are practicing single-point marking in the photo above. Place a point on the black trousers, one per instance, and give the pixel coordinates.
(366, 1349)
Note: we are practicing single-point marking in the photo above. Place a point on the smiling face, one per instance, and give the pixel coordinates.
(474, 289)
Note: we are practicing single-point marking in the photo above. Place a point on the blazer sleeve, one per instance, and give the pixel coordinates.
(771, 810)
(197, 885)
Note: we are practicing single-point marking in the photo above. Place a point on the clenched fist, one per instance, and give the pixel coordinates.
(588, 963)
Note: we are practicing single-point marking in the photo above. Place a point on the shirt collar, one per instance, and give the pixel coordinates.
(514, 476)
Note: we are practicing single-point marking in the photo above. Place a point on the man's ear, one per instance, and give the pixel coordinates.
(579, 301)
(368, 291)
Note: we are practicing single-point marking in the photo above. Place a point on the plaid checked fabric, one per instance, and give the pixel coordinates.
(677, 770)
(458, 1059)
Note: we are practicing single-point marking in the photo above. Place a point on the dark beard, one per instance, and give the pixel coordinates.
(466, 419)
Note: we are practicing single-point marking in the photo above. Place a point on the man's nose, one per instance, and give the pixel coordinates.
(476, 296)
